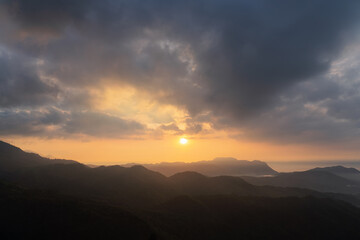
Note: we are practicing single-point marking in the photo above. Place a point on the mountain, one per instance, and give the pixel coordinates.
(40, 215)
(216, 167)
(338, 170)
(44, 199)
(138, 187)
(44, 215)
(349, 173)
(13, 158)
(134, 186)
(330, 179)
(233, 217)
(193, 183)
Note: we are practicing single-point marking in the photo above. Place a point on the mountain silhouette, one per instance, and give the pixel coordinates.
(338, 170)
(215, 167)
(138, 186)
(29, 214)
(44, 198)
(332, 179)
(349, 173)
(13, 158)
(235, 217)
(39, 215)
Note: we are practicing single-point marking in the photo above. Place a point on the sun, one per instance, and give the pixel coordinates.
(183, 141)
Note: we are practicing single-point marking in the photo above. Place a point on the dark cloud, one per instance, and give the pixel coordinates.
(29, 123)
(324, 109)
(241, 48)
(346, 109)
(21, 84)
(101, 125)
(52, 123)
(48, 15)
(299, 123)
(227, 59)
(284, 43)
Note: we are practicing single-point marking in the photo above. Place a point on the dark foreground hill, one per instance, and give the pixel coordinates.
(74, 201)
(216, 167)
(234, 217)
(137, 186)
(42, 215)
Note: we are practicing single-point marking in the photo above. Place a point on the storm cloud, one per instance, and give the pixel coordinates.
(236, 62)
(20, 83)
(52, 123)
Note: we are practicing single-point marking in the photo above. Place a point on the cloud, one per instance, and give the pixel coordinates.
(101, 125)
(28, 123)
(320, 110)
(53, 123)
(170, 127)
(233, 61)
(21, 84)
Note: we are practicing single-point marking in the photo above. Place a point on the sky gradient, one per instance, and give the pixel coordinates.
(108, 81)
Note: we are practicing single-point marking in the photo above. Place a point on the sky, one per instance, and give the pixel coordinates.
(117, 81)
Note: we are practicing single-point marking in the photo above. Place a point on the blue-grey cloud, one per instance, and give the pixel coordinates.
(324, 109)
(21, 84)
(53, 123)
(229, 60)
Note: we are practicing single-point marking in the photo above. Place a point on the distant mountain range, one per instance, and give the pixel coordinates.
(349, 173)
(134, 202)
(336, 179)
(216, 167)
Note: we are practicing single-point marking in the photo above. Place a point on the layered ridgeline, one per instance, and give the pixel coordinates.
(29, 214)
(137, 203)
(137, 186)
(348, 173)
(216, 167)
(41, 215)
(13, 158)
(337, 179)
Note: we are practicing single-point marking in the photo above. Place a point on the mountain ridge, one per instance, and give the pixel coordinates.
(12, 157)
(216, 167)
(189, 205)
(337, 179)
(138, 186)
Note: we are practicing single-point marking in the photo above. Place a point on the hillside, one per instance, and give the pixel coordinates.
(319, 180)
(13, 158)
(61, 201)
(215, 167)
(138, 186)
(234, 217)
(42, 215)
(349, 173)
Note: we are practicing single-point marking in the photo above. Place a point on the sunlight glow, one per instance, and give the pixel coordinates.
(183, 140)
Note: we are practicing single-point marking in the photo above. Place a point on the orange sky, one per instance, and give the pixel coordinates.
(92, 85)
(105, 151)
(159, 145)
